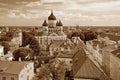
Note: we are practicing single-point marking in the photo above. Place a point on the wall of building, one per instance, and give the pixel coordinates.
(8, 76)
(27, 73)
(68, 62)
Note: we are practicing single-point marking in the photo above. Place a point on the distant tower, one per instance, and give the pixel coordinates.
(60, 25)
(52, 20)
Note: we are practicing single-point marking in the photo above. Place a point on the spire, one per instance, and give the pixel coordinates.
(51, 17)
(45, 23)
(60, 23)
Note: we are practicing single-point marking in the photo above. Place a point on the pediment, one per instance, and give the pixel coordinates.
(53, 34)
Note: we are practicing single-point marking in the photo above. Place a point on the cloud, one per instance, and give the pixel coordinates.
(70, 11)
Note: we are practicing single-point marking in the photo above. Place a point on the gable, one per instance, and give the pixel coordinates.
(53, 34)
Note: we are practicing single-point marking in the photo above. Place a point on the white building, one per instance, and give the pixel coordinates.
(13, 70)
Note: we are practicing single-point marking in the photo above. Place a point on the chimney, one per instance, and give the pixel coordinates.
(20, 59)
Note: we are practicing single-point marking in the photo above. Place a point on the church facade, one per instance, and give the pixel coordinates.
(52, 30)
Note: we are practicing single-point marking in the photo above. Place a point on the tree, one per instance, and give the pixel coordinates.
(44, 73)
(31, 40)
(33, 32)
(7, 37)
(6, 47)
(34, 45)
(25, 38)
(85, 36)
(10, 34)
(55, 69)
(82, 36)
(23, 53)
(90, 35)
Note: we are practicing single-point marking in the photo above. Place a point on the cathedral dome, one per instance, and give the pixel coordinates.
(45, 23)
(60, 23)
(51, 17)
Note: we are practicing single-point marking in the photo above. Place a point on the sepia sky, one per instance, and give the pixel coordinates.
(71, 12)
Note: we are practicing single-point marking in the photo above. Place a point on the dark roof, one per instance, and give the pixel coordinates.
(60, 23)
(51, 17)
(45, 23)
(12, 67)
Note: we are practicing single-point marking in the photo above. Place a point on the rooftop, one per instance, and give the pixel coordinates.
(12, 67)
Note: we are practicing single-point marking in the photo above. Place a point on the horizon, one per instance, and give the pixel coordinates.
(70, 12)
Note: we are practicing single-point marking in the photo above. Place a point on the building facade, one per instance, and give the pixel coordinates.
(52, 31)
(16, 70)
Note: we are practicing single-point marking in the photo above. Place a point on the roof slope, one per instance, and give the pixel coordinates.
(86, 66)
(11, 67)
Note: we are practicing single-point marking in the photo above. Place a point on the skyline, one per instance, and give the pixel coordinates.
(71, 12)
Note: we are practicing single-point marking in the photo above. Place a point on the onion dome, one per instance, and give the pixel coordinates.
(57, 23)
(51, 17)
(45, 23)
(60, 23)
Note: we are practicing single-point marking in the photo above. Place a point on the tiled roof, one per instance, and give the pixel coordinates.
(11, 67)
(86, 66)
(78, 60)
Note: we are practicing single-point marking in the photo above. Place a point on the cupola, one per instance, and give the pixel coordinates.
(51, 17)
(45, 23)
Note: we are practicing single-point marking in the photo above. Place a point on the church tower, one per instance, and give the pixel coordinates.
(45, 27)
(60, 25)
(52, 20)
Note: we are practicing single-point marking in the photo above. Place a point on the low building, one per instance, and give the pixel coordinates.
(14, 70)
(67, 58)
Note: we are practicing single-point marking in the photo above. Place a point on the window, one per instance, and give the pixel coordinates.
(21, 76)
(70, 61)
(3, 78)
(12, 78)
